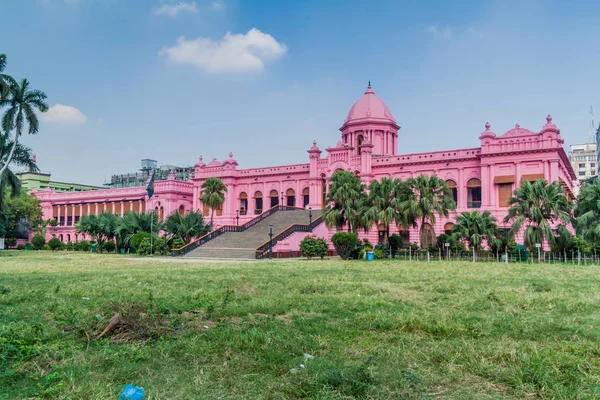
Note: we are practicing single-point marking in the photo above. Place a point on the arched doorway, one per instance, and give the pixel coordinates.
(274, 196)
(427, 236)
(474, 193)
(181, 210)
(453, 189)
(324, 191)
(305, 197)
(243, 203)
(359, 141)
(258, 203)
(290, 195)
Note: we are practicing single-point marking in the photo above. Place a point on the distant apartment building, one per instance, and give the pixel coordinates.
(584, 159)
(135, 179)
(41, 181)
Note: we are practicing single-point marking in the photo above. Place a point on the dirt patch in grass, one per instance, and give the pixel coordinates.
(245, 289)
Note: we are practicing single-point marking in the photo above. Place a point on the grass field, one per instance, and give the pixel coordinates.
(296, 329)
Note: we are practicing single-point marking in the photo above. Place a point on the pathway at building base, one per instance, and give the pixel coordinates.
(480, 177)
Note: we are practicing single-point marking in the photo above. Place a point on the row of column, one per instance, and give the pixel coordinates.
(93, 208)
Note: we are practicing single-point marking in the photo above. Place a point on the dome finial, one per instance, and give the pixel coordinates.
(369, 83)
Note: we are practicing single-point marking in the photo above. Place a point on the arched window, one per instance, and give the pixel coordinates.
(243, 203)
(305, 197)
(181, 209)
(474, 193)
(290, 195)
(258, 203)
(427, 236)
(274, 198)
(359, 140)
(452, 186)
(448, 228)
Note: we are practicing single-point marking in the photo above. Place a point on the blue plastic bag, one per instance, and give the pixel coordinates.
(131, 392)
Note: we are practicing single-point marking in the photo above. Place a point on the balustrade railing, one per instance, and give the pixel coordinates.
(227, 228)
(267, 246)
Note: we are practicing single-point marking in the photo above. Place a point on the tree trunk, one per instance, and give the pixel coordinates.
(10, 155)
(212, 213)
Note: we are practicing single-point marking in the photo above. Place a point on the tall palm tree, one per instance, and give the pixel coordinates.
(430, 197)
(22, 157)
(345, 201)
(21, 105)
(587, 211)
(107, 224)
(213, 195)
(5, 80)
(383, 205)
(474, 227)
(538, 207)
(88, 224)
(185, 227)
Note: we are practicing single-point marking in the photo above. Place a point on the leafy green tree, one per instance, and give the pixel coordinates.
(23, 213)
(430, 197)
(587, 211)
(474, 227)
(185, 227)
(5, 80)
(213, 195)
(538, 207)
(384, 205)
(22, 157)
(345, 201)
(21, 105)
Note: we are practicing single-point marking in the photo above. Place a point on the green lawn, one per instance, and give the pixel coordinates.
(240, 330)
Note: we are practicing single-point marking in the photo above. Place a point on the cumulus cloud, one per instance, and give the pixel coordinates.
(172, 10)
(435, 31)
(234, 53)
(64, 115)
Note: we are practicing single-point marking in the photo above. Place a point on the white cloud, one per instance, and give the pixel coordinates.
(233, 53)
(173, 9)
(64, 115)
(218, 5)
(443, 33)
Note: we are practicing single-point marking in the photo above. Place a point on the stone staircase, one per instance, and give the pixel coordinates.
(242, 245)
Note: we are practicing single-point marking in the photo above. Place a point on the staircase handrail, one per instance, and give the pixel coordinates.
(284, 234)
(229, 228)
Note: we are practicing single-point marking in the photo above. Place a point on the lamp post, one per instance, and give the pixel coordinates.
(310, 215)
(270, 241)
(237, 217)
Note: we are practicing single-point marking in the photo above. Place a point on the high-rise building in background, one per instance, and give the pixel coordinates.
(584, 159)
(135, 179)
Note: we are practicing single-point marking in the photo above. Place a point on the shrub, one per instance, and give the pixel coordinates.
(55, 244)
(70, 246)
(83, 245)
(344, 243)
(137, 239)
(21, 247)
(11, 242)
(311, 247)
(38, 242)
(396, 242)
(144, 246)
(109, 246)
(379, 254)
(46, 247)
(177, 243)
(367, 243)
(53, 222)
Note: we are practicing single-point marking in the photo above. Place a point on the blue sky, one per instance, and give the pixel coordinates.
(164, 80)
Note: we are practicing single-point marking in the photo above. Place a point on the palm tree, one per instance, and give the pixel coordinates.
(383, 205)
(5, 80)
(22, 103)
(185, 227)
(474, 227)
(22, 157)
(430, 197)
(345, 201)
(587, 211)
(88, 224)
(538, 207)
(564, 241)
(132, 223)
(107, 224)
(213, 195)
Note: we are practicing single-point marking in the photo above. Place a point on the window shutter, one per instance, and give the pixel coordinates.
(504, 194)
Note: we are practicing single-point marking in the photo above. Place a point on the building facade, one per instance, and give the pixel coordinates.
(42, 181)
(482, 177)
(139, 178)
(584, 159)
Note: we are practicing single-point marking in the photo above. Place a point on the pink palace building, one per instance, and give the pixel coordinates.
(481, 177)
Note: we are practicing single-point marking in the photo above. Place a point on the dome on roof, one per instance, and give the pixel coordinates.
(369, 107)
